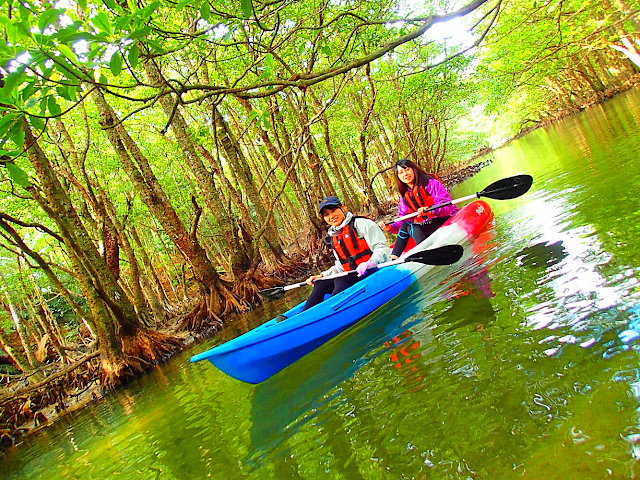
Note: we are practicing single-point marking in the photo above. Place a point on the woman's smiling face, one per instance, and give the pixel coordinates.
(406, 175)
(334, 216)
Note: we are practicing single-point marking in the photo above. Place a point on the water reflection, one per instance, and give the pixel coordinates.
(472, 305)
(280, 403)
(402, 332)
(541, 255)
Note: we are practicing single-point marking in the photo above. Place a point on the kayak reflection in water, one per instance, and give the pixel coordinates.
(358, 244)
(469, 305)
(418, 191)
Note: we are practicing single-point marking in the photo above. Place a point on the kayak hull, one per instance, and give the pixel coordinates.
(271, 347)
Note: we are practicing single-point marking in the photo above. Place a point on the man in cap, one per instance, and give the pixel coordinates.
(358, 245)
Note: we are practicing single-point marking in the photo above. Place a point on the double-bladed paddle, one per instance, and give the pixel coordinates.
(445, 255)
(511, 187)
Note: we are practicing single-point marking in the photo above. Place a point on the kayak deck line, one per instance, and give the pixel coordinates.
(271, 347)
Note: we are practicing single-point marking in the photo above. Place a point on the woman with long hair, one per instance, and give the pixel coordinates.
(418, 191)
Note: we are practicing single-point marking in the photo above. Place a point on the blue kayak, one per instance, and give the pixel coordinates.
(271, 347)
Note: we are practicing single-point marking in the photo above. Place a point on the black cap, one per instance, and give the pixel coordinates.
(330, 201)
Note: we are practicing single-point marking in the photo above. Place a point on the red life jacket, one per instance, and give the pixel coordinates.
(351, 249)
(416, 198)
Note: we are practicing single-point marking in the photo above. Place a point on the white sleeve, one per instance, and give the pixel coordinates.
(373, 235)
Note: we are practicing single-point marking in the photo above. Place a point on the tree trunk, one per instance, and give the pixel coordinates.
(137, 296)
(139, 171)
(22, 334)
(629, 44)
(46, 269)
(16, 356)
(160, 298)
(123, 344)
(239, 257)
(283, 156)
(239, 165)
(60, 208)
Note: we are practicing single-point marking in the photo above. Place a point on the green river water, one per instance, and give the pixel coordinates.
(520, 362)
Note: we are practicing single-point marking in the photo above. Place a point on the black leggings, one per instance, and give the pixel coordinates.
(419, 232)
(332, 286)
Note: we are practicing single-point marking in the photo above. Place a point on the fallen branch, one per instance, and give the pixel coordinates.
(25, 391)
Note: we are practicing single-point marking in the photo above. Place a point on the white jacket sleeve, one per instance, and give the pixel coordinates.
(373, 235)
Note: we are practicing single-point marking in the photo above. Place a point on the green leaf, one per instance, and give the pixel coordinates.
(205, 10)
(43, 106)
(36, 122)
(54, 108)
(67, 52)
(101, 22)
(115, 65)
(134, 55)
(6, 123)
(32, 102)
(12, 33)
(28, 91)
(72, 34)
(17, 134)
(266, 74)
(141, 33)
(64, 92)
(103, 79)
(268, 59)
(95, 51)
(75, 81)
(228, 35)
(11, 83)
(147, 11)
(69, 71)
(110, 4)
(48, 17)
(10, 153)
(326, 50)
(122, 23)
(156, 46)
(246, 8)
(18, 175)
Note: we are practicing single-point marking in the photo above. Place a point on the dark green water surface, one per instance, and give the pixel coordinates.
(520, 362)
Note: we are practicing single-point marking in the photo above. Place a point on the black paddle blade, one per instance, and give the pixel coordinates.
(272, 293)
(446, 255)
(507, 188)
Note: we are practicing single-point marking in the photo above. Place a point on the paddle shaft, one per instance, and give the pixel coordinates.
(344, 274)
(444, 255)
